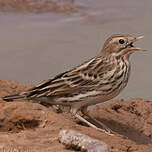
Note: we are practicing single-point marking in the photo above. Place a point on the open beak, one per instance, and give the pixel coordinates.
(132, 47)
(139, 37)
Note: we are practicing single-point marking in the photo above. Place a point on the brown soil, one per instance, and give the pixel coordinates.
(37, 6)
(31, 126)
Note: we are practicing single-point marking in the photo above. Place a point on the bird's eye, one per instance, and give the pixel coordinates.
(121, 41)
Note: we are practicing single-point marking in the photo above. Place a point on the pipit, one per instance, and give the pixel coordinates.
(95, 81)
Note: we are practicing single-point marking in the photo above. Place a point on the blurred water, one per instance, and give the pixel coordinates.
(34, 47)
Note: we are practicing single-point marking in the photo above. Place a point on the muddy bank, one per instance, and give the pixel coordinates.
(38, 6)
(26, 125)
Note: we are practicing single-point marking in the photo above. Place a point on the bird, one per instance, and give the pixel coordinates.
(95, 81)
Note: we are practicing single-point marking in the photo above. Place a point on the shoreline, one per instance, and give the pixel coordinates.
(22, 6)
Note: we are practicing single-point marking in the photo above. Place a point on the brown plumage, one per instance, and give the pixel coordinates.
(95, 81)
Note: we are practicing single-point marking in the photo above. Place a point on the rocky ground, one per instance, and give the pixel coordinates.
(31, 126)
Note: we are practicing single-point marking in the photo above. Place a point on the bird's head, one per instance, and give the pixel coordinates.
(120, 45)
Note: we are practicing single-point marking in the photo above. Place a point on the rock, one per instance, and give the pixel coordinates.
(78, 141)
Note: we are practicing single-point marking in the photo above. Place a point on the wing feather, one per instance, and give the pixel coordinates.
(83, 77)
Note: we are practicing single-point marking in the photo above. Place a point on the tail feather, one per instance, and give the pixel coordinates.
(13, 97)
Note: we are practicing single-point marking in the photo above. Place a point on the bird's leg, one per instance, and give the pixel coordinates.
(74, 112)
(90, 124)
(57, 108)
(98, 123)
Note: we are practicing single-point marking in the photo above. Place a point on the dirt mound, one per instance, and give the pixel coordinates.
(31, 126)
(19, 116)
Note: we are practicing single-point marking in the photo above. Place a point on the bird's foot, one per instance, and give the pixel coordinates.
(102, 128)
